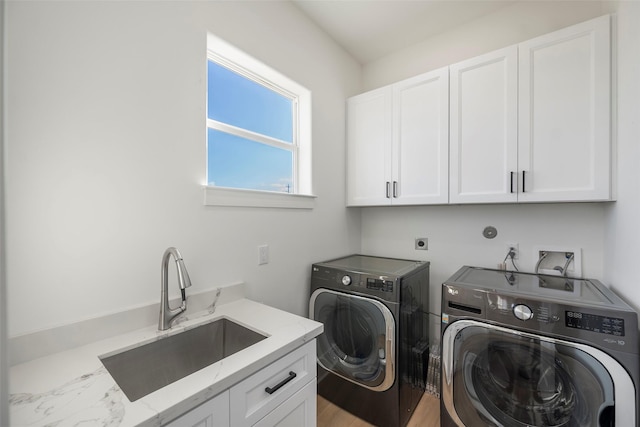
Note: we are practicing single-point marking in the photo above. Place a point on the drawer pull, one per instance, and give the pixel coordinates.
(291, 376)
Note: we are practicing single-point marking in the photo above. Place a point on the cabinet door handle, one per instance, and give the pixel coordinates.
(511, 180)
(523, 190)
(277, 387)
(395, 189)
(388, 190)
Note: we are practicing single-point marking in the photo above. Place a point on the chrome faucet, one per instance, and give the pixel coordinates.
(168, 314)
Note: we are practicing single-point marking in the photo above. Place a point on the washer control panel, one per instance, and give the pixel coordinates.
(504, 307)
(386, 287)
(592, 314)
(522, 312)
(379, 284)
(594, 323)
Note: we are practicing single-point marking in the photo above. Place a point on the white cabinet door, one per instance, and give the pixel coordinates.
(256, 396)
(212, 413)
(420, 148)
(369, 148)
(281, 394)
(397, 139)
(298, 411)
(483, 128)
(564, 109)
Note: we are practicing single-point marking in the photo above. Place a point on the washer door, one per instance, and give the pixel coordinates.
(502, 377)
(358, 342)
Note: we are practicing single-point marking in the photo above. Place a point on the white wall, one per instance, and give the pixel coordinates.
(454, 232)
(106, 156)
(4, 380)
(623, 218)
(506, 26)
(456, 239)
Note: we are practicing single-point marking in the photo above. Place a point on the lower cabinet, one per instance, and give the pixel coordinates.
(282, 394)
(258, 395)
(299, 410)
(212, 413)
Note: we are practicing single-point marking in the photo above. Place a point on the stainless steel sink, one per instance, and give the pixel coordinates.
(145, 369)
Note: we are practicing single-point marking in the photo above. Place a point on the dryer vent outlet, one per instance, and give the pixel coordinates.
(422, 243)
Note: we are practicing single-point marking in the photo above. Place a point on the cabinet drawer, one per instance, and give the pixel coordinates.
(299, 411)
(250, 399)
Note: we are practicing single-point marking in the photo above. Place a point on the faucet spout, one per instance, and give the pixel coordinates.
(168, 314)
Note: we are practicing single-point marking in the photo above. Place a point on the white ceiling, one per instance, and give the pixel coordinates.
(372, 29)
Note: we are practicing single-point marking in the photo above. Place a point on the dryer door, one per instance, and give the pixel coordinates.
(502, 377)
(358, 342)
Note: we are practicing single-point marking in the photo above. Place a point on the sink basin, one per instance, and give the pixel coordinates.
(145, 369)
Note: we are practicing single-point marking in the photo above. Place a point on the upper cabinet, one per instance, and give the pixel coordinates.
(369, 148)
(564, 110)
(398, 143)
(531, 123)
(528, 123)
(484, 128)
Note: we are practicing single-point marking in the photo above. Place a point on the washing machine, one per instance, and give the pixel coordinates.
(523, 349)
(372, 354)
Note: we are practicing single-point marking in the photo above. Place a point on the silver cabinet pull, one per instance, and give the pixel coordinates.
(395, 189)
(523, 190)
(388, 190)
(511, 180)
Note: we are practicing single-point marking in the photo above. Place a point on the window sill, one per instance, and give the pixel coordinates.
(218, 196)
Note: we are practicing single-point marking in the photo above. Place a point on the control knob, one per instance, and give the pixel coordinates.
(346, 280)
(522, 312)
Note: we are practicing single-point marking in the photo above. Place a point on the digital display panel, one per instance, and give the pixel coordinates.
(594, 323)
(380, 285)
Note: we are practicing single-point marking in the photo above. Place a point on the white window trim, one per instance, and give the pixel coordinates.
(222, 196)
(303, 198)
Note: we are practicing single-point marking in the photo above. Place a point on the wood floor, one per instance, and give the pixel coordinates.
(427, 414)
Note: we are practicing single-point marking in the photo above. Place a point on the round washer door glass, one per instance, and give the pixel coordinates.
(358, 339)
(506, 379)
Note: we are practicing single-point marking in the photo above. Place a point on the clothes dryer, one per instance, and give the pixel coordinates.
(522, 349)
(372, 354)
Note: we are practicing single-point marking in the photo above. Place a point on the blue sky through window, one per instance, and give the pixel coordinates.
(241, 163)
(235, 161)
(238, 101)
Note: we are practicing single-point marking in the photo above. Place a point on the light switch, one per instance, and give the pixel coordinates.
(263, 254)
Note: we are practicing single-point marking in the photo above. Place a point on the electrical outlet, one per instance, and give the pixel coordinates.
(422, 243)
(263, 254)
(512, 246)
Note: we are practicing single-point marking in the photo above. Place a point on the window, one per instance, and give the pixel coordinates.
(258, 132)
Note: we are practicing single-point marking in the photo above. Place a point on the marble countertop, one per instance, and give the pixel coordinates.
(72, 388)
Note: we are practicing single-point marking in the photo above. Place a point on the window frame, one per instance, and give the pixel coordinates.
(243, 64)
